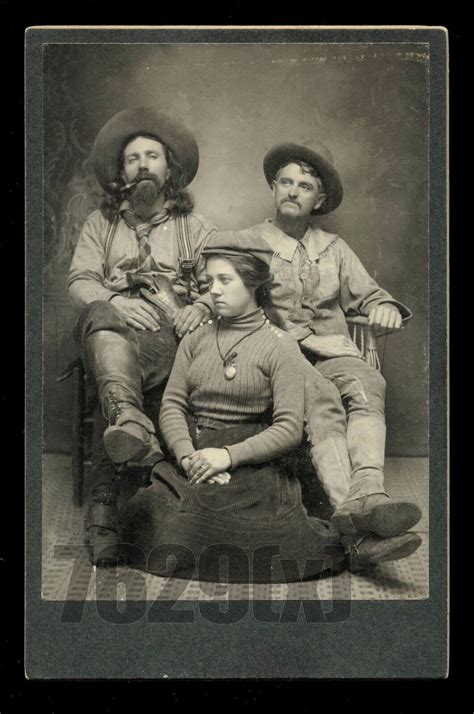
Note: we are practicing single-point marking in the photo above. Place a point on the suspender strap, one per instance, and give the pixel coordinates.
(186, 253)
(110, 236)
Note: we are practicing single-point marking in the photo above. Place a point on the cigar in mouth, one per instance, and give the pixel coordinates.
(116, 187)
(129, 185)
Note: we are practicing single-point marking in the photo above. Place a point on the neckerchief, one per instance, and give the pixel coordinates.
(142, 230)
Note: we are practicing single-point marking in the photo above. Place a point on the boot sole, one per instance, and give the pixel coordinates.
(387, 520)
(122, 446)
(402, 551)
(360, 565)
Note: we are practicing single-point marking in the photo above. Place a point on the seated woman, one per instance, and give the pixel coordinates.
(232, 408)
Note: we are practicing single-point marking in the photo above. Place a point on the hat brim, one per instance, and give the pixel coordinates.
(110, 139)
(283, 154)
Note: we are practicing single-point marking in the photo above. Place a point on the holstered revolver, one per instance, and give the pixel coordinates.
(158, 290)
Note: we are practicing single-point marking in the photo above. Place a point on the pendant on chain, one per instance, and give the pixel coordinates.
(229, 366)
(229, 359)
(230, 371)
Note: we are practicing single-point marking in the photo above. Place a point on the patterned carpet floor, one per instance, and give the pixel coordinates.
(68, 575)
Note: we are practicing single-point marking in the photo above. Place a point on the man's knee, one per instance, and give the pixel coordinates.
(373, 381)
(324, 411)
(100, 311)
(351, 374)
(99, 315)
(362, 389)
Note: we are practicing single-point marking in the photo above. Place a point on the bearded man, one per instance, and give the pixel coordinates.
(138, 282)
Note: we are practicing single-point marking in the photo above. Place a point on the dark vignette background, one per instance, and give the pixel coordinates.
(367, 102)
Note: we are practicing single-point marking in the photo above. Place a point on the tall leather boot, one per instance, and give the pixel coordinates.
(100, 526)
(330, 458)
(114, 361)
(367, 508)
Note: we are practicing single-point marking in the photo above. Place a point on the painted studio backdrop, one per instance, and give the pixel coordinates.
(367, 103)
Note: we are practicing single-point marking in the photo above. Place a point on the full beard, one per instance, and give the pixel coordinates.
(145, 193)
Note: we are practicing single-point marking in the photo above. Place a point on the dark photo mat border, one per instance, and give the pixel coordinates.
(415, 631)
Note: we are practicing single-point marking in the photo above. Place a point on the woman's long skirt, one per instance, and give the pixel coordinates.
(255, 529)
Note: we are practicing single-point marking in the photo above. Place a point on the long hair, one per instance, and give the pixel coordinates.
(255, 275)
(182, 201)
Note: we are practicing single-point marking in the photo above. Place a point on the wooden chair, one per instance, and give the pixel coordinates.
(81, 419)
(364, 337)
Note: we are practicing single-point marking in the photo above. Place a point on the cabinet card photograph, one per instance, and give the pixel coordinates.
(236, 315)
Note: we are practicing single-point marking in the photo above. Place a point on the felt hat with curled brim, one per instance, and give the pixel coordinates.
(149, 120)
(231, 243)
(318, 156)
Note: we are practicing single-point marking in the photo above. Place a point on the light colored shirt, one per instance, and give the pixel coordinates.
(316, 284)
(98, 271)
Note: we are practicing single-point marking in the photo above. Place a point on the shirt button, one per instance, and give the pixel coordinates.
(304, 275)
(165, 228)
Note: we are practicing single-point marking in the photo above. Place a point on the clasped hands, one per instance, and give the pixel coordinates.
(208, 465)
(140, 315)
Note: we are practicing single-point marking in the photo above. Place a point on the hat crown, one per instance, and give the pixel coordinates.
(320, 149)
(246, 243)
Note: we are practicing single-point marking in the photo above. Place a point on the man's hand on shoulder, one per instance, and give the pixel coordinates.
(331, 346)
(190, 317)
(137, 313)
(385, 318)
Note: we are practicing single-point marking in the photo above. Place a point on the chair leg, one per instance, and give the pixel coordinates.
(78, 408)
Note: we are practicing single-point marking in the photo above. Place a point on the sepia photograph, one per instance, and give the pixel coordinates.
(232, 279)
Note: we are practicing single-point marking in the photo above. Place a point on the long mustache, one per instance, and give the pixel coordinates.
(141, 176)
(145, 175)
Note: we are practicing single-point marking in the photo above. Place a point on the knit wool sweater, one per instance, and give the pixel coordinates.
(266, 375)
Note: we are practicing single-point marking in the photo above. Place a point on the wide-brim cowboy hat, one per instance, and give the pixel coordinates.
(149, 120)
(317, 156)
